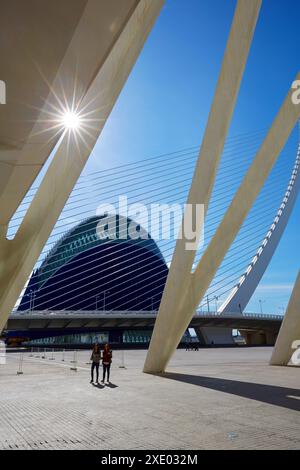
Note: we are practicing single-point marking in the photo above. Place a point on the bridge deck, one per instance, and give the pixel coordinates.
(96, 320)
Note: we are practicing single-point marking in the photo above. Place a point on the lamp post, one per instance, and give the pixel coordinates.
(32, 296)
(104, 298)
(216, 302)
(97, 296)
(281, 309)
(260, 305)
(207, 304)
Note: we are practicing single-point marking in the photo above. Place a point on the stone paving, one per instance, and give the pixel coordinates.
(209, 399)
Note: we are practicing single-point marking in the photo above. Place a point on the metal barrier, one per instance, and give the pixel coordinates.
(2, 353)
(21, 357)
(74, 361)
(122, 365)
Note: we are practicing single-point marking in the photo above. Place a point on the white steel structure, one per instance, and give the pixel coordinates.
(91, 47)
(242, 292)
(185, 289)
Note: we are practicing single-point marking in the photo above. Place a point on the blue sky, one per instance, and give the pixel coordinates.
(166, 100)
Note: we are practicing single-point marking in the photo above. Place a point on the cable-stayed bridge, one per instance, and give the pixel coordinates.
(161, 181)
(246, 187)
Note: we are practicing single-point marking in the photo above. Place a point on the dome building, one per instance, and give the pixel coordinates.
(91, 269)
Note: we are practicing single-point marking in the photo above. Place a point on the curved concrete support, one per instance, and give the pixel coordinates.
(259, 337)
(215, 335)
(240, 295)
(18, 256)
(243, 291)
(289, 331)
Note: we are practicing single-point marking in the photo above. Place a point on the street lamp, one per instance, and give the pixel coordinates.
(260, 305)
(216, 302)
(208, 304)
(104, 297)
(32, 296)
(97, 296)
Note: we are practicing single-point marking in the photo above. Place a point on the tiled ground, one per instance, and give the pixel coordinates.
(210, 399)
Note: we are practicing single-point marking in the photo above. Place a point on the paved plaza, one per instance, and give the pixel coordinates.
(209, 399)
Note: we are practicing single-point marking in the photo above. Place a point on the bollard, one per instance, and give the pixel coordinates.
(31, 353)
(2, 353)
(122, 366)
(44, 356)
(74, 361)
(38, 353)
(20, 371)
(63, 355)
(89, 362)
(52, 356)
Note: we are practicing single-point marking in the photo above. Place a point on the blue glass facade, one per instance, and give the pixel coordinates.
(86, 272)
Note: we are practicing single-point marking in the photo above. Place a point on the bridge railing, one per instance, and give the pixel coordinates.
(266, 316)
(86, 313)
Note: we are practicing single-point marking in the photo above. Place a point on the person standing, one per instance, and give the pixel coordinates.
(106, 362)
(95, 358)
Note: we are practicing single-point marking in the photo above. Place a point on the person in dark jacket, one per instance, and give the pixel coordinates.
(106, 362)
(95, 358)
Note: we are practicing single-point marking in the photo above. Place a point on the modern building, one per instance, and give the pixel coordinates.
(92, 269)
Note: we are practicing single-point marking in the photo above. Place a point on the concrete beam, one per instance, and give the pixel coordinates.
(225, 234)
(215, 335)
(18, 256)
(254, 338)
(289, 331)
(78, 36)
(226, 93)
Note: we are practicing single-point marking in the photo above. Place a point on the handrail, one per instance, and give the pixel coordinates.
(141, 313)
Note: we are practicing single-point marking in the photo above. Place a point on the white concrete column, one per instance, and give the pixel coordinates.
(174, 323)
(289, 331)
(18, 256)
(231, 73)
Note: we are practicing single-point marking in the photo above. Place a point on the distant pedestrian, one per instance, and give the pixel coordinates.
(95, 358)
(106, 362)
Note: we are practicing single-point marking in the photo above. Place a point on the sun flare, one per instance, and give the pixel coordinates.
(71, 120)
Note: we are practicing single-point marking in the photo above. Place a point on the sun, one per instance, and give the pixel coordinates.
(64, 115)
(71, 120)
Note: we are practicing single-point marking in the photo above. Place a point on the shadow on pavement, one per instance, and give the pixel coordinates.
(98, 385)
(110, 385)
(274, 395)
